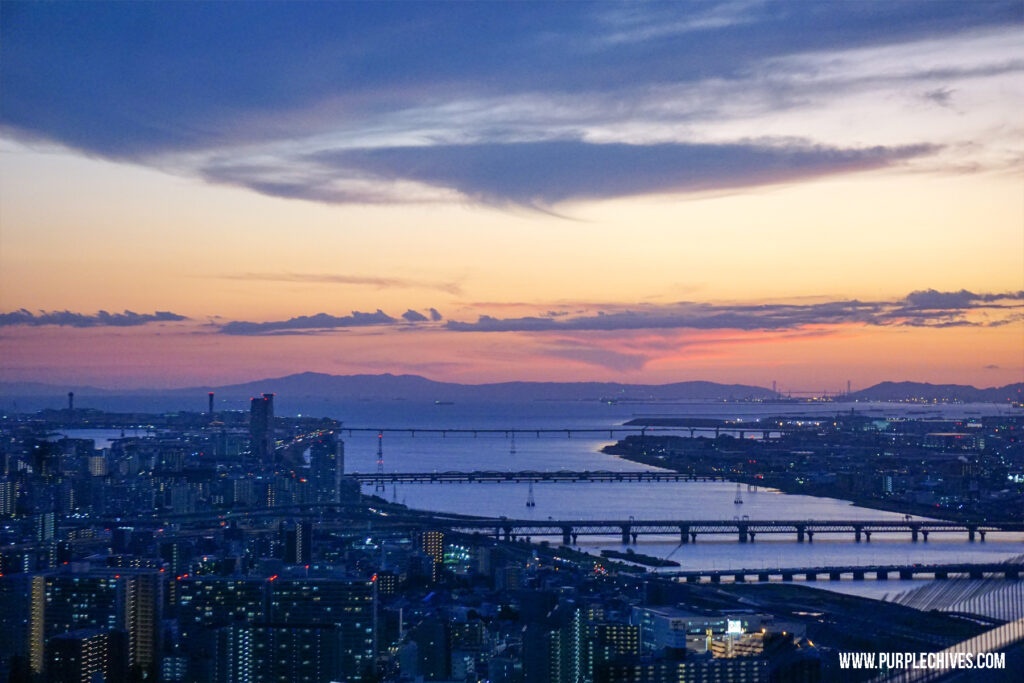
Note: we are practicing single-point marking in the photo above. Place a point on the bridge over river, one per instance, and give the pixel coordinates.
(531, 476)
(743, 530)
(1008, 570)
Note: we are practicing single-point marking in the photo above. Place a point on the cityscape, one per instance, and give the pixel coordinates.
(238, 545)
(511, 342)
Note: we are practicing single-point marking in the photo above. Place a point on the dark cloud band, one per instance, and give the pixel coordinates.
(100, 319)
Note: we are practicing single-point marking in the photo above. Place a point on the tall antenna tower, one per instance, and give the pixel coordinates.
(379, 486)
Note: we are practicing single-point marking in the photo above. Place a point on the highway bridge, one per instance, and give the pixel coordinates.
(742, 529)
(525, 476)
(702, 427)
(1008, 570)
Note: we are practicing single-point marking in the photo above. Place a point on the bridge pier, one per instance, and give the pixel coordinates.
(763, 576)
(799, 533)
(913, 532)
(1011, 574)
(787, 576)
(625, 535)
(835, 576)
(977, 574)
(566, 535)
(574, 537)
(634, 536)
(715, 578)
(941, 575)
(924, 536)
(739, 578)
(811, 576)
(684, 535)
(906, 574)
(970, 533)
(810, 537)
(693, 537)
(751, 536)
(982, 534)
(742, 528)
(858, 575)
(881, 575)
(867, 537)
(857, 530)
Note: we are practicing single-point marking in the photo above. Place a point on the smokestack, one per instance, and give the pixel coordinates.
(71, 401)
(210, 409)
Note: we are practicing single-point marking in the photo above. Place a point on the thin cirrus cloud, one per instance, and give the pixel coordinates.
(357, 280)
(490, 102)
(100, 319)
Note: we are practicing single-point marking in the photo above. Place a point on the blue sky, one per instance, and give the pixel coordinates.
(635, 191)
(528, 103)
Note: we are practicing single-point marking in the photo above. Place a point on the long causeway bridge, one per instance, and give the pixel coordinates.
(1008, 570)
(691, 427)
(743, 530)
(531, 476)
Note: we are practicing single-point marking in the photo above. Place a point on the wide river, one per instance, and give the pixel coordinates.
(689, 500)
(710, 500)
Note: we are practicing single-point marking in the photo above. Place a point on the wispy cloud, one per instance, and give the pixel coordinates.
(924, 308)
(100, 319)
(355, 280)
(579, 101)
(548, 172)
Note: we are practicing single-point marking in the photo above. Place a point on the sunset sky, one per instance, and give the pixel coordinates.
(807, 192)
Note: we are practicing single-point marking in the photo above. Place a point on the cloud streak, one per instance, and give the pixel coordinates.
(355, 280)
(921, 308)
(924, 308)
(320, 321)
(548, 172)
(100, 319)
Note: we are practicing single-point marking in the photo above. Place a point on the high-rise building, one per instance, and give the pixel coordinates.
(207, 603)
(21, 620)
(432, 543)
(248, 653)
(349, 605)
(297, 542)
(78, 657)
(8, 498)
(129, 601)
(261, 428)
(327, 467)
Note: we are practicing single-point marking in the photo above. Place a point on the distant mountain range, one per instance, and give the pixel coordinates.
(903, 391)
(416, 388)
